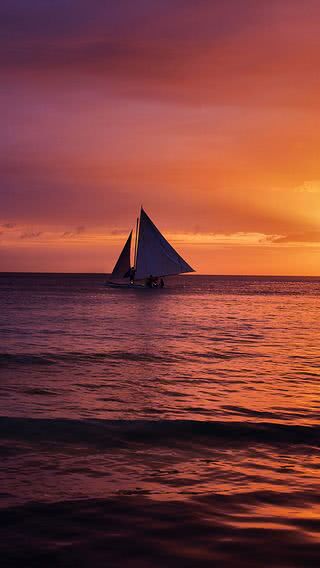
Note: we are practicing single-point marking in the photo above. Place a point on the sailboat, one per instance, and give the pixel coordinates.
(154, 258)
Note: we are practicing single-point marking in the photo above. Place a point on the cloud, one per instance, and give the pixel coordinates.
(117, 232)
(70, 234)
(311, 186)
(303, 237)
(212, 52)
(102, 235)
(30, 235)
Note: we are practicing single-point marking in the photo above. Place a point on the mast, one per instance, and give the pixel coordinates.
(136, 244)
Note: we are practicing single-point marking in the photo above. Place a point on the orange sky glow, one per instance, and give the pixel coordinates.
(206, 113)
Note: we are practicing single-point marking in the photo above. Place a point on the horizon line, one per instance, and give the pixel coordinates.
(186, 275)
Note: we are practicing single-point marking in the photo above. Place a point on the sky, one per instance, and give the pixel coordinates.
(206, 112)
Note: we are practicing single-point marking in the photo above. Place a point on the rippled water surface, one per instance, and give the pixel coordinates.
(160, 427)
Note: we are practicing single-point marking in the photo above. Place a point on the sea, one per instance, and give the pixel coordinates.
(159, 428)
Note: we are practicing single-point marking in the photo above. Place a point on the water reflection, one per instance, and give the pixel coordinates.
(199, 403)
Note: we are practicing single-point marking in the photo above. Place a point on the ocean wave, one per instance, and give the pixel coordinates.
(108, 433)
(75, 357)
(16, 359)
(215, 530)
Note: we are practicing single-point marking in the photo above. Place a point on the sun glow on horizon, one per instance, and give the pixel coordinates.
(99, 248)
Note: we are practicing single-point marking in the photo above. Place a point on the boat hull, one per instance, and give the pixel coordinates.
(125, 286)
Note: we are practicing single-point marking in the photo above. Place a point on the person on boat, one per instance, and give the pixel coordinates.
(149, 281)
(152, 281)
(161, 283)
(132, 274)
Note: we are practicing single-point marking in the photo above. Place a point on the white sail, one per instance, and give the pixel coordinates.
(122, 267)
(155, 256)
